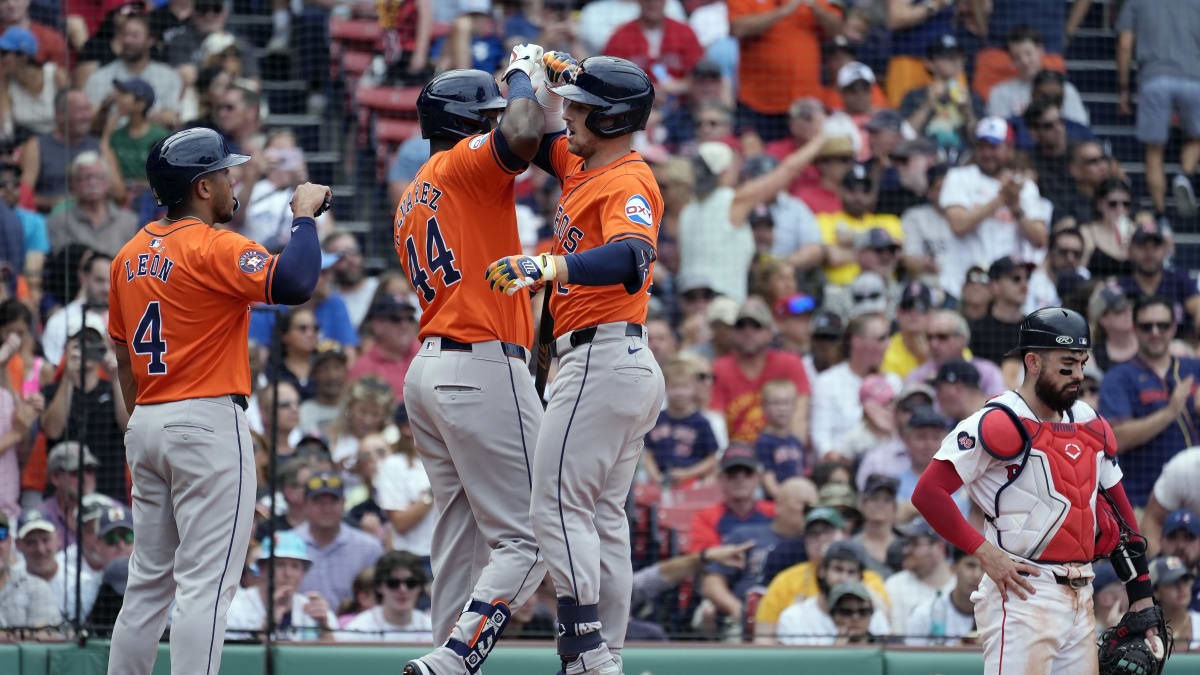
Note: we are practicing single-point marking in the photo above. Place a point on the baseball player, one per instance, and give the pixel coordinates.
(470, 400)
(609, 389)
(1033, 460)
(179, 315)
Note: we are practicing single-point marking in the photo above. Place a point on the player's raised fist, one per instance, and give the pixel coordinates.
(561, 68)
(311, 200)
(525, 57)
(512, 273)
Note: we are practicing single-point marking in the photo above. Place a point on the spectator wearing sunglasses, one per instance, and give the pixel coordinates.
(1150, 275)
(399, 581)
(25, 600)
(993, 335)
(840, 229)
(298, 616)
(1150, 400)
(1063, 258)
(339, 551)
(114, 544)
(1089, 164)
(842, 612)
(1107, 239)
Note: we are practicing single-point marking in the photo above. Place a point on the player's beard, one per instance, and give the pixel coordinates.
(1059, 399)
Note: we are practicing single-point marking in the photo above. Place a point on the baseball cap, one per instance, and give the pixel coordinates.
(1110, 298)
(885, 119)
(912, 147)
(855, 71)
(756, 310)
(955, 372)
(916, 295)
(392, 306)
(286, 544)
(217, 43)
(796, 304)
(879, 481)
(824, 514)
(65, 457)
(943, 45)
(722, 309)
(1166, 570)
(844, 549)
(32, 520)
(917, 527)
(925, 417)
(1181, 519)
(992, 130)
(915, 389)
(740, 455)
(836, 146)
(869, 292)
(827, 324)
(115, 517)
(717, 156)
(692, 281)
(20, 40)
(853, 589)
(94, 504)
(140, 89)
(324, 483)
(707, 69)
(976, 275)
(837, 496)
(876, 389)
(761, 215)
(324, 355)
(1148, 232)
(839, 43)
(1006, 265)
(858, 175)
(876, 239)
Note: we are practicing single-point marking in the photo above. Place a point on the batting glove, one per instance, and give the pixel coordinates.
(561, 68)
(525, 57)
(512, 273)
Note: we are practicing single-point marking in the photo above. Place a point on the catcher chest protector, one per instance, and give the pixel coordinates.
(619, 92)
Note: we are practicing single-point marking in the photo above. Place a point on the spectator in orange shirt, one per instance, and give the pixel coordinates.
(836, 54)
(665, 48)
(780, 59)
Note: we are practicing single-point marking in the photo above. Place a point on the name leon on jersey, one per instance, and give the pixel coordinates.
(158, 266)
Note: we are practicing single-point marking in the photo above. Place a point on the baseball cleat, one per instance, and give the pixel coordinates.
(416, 667)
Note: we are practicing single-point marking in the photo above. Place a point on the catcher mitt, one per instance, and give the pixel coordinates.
(1125, 650)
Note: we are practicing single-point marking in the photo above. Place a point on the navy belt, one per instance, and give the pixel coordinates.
(584, 336)
(509, 349)
(240, 400)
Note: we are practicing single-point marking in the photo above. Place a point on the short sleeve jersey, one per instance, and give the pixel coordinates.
(598, 206)
(180, 300)
(456, 217)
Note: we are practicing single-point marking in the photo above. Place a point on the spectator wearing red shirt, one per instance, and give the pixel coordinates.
(392, 320)
(665, 48)
(738, 378)
(806, 118)
(741, 474)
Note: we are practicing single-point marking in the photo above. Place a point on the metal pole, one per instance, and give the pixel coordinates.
(274, 363)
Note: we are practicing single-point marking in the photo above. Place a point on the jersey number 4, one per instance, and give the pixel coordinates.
(437, 257)
(148, 339)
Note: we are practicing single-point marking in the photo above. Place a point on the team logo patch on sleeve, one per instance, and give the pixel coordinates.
(965, 441)
(477, 142)
(252, 261)
(637, 210)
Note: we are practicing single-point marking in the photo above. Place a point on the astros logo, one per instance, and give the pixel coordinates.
(252, 261)
(637, 209)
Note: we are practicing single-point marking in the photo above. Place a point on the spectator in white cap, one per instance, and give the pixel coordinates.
(714, 239)
(993, 209)
(855, 90)
(298, 616)
(37, 542)
(25, 600)
(93, 557)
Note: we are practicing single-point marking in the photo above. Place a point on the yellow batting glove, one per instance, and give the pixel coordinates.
(561, 68)
(512, 273)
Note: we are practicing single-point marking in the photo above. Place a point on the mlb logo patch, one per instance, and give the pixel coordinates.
(155, 242)
(637, 210)
(965, 441)
(252, 261)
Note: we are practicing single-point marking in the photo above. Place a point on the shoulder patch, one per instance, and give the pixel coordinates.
(637, 210)
(477, 142)
(252, 261)
(965, 441)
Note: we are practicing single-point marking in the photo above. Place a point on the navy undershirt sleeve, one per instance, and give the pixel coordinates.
(625, 261)
(542, 158)
(298, 264)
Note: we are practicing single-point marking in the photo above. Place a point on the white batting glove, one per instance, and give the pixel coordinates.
(550, 102)
(525, 57)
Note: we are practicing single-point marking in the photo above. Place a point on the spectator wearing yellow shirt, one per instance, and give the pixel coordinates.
(822, 527)
(909, 346)
(840, 230)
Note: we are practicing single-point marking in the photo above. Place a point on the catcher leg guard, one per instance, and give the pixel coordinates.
(494, 619)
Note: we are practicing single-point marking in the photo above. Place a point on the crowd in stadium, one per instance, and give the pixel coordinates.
(863, 199)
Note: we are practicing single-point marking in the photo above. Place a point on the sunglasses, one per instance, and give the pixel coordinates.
(745, 324)
(411, 583)
(1047, 126)
(1118, 203)
(863, 297)
(704, 377)
(942, 336)
(317, 482)
(1151, 326)
(861, 612)
(1076, 253)
(117, 536)
(1017, 278)
(306, 327)
(404, 318)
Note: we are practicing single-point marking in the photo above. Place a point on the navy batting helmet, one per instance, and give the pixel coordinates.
(178, 160)
(1054, 328)
(453, 104)
(619, 92)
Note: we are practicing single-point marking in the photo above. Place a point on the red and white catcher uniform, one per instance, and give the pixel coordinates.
(1038, 491)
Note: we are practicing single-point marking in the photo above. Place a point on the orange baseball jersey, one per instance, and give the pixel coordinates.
(599, 206)
(455, 218)
(179, 301)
